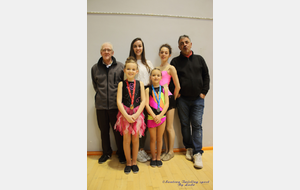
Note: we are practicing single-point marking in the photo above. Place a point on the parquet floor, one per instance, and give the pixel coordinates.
(177, 173)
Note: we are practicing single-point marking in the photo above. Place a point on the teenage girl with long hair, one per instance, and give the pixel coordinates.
(137, 50)
(169, 72)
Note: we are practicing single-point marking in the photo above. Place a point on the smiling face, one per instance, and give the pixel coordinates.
(130, 70)
(164, 54)
(138, 48)
(155, 76)
(185, 45)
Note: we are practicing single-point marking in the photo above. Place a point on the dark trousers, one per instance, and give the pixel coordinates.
(190, 112)
(143, 138)
(104, 118)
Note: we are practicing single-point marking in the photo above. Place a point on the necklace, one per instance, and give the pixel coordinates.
(131, 96)
(157, 98)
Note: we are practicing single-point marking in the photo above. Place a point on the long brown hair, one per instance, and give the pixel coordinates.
(143, 57)
(166, 46)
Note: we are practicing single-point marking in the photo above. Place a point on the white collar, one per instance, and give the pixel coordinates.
(107, 66)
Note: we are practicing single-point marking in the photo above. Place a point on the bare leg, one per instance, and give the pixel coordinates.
(126, 147)
(170, 129)
(166, 141)
(135, 148)
(152, 132)
(159, 132)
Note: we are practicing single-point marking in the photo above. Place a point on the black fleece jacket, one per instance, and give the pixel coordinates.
(105, 82)
(193, 75)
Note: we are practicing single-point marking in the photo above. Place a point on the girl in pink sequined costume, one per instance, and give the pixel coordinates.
(169, 72)
(130, 119)
(157, 103)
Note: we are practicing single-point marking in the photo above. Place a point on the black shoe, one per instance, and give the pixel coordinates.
(135, 169)
(158, 163)
(127, 169)
(103, 159)
(122, 160)
(153, 163)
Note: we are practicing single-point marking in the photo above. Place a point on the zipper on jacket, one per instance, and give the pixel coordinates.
(114, 78)
(107, 69)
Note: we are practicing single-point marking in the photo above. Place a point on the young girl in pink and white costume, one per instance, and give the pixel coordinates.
(130, 119)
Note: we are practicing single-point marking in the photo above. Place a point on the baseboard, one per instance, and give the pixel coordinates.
(148, 151)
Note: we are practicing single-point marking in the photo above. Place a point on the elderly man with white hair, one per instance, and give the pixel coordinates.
(106, 74)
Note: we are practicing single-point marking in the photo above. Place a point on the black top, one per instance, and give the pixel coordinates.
(193, 75)
(156, 90)
(126, 100)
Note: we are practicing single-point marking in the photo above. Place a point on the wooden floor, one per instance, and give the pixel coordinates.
(177, 173)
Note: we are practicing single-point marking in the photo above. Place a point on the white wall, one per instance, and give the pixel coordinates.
(120, 30)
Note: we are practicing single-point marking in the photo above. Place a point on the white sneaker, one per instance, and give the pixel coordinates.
(163, 155)
(140, 157)
(198, 161)
(145, 154)
(189, 154)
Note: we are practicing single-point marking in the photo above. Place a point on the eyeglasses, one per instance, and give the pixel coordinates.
(108, 50)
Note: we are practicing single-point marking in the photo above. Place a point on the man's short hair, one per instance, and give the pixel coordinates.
(183, 36)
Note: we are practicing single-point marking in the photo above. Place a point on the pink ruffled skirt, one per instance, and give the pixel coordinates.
(123, 126)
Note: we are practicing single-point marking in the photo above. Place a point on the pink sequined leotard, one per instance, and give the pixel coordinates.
(165, 79)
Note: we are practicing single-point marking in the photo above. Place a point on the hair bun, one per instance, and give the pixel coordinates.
(130, 59)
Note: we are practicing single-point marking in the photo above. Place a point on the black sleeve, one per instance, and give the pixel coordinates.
(93, 80)
(205, 76)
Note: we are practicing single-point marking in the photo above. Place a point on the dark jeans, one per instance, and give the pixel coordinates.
(104, 118)
(190, 112)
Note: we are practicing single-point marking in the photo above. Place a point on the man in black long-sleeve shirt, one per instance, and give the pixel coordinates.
(194, 80)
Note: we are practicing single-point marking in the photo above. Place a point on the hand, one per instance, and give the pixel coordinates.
(130, 119)
(157, 119)
(202, 96)
(134, 116)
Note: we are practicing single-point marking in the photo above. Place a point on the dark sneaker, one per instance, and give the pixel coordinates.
(153, 163)
(127, 169)
(135, 169)
(122, 159)
(103, 159)
(158, 163)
